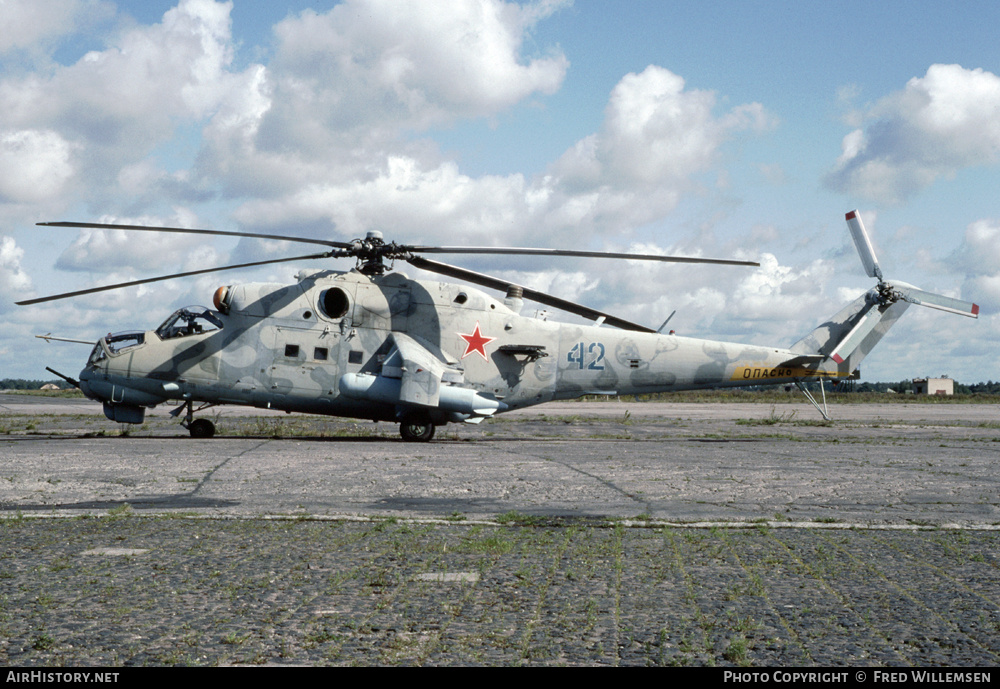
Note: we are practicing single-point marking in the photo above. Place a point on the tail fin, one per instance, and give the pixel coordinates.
(847, 338)
(844, 340)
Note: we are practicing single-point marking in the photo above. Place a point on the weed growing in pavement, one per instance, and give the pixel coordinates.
(514, 518)
(123, 510)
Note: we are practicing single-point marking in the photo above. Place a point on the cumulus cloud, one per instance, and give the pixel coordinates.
(346, 86)
(34, 165)
(774, 304)
(656, 136)
(143, 251)
(654, 130)
(426, 204)
(325, 122)
(26, 23)
(115, 105)
(979, 257)
(14, 282)
(940, 123)
(324, 134)
(765, 293)
(413, 64)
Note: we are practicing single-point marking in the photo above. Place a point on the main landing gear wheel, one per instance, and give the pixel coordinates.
(415, 429)
(201, 428)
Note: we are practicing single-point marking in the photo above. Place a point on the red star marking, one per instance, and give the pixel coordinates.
(476, 342)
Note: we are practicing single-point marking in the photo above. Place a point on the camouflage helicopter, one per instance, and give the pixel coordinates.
(374, 344)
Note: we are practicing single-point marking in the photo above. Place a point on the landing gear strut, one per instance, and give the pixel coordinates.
(198, 428)
(416, 428)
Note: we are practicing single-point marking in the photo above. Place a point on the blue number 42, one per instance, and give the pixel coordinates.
(577, 355)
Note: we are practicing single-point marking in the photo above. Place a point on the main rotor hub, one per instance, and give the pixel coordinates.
(370, 251)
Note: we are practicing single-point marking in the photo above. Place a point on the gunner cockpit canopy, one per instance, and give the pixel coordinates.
(191, 320)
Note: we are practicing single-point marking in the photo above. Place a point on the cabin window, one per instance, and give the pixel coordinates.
(291, 351)
(320, 353)
(354, 357)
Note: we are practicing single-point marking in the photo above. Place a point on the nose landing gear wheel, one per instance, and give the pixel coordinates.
(415, 429)
(201, 428)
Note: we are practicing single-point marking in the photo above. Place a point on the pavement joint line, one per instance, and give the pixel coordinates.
(545, 522)
(208, 476)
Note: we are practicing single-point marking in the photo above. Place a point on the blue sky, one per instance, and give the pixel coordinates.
(726, 129)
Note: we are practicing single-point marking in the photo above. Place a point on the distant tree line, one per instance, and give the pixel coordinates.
(901, 387)
(23, 384)
(904, 386)
(989, 387)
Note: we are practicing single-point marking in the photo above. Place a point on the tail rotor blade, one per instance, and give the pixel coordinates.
(864, 245)
(937, 301)
(853, 339)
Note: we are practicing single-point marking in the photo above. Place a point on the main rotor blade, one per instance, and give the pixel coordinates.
(540, 297)
(185, 230)
(570, 252)
(937, 301)
(106, 288)
(864, 245)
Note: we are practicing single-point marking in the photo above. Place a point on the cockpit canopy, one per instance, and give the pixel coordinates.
(191, 320)
(115, 343)
(125, 340)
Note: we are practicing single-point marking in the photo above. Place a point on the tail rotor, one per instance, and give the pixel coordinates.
(890, 292)
(853, 333)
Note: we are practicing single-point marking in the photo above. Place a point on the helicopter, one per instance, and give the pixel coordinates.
(371, 343)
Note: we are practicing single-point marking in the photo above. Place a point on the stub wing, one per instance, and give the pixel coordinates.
(417, 375)
(419, 370)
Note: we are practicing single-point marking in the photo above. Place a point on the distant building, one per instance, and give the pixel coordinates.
(934, 386)
(50, 386)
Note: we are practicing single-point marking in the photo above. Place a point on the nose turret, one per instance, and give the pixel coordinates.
(85, 375)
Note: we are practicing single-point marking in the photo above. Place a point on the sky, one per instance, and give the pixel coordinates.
(717, 129)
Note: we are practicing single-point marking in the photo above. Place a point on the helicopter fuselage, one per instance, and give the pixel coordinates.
(383, 347)
(373, 344)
